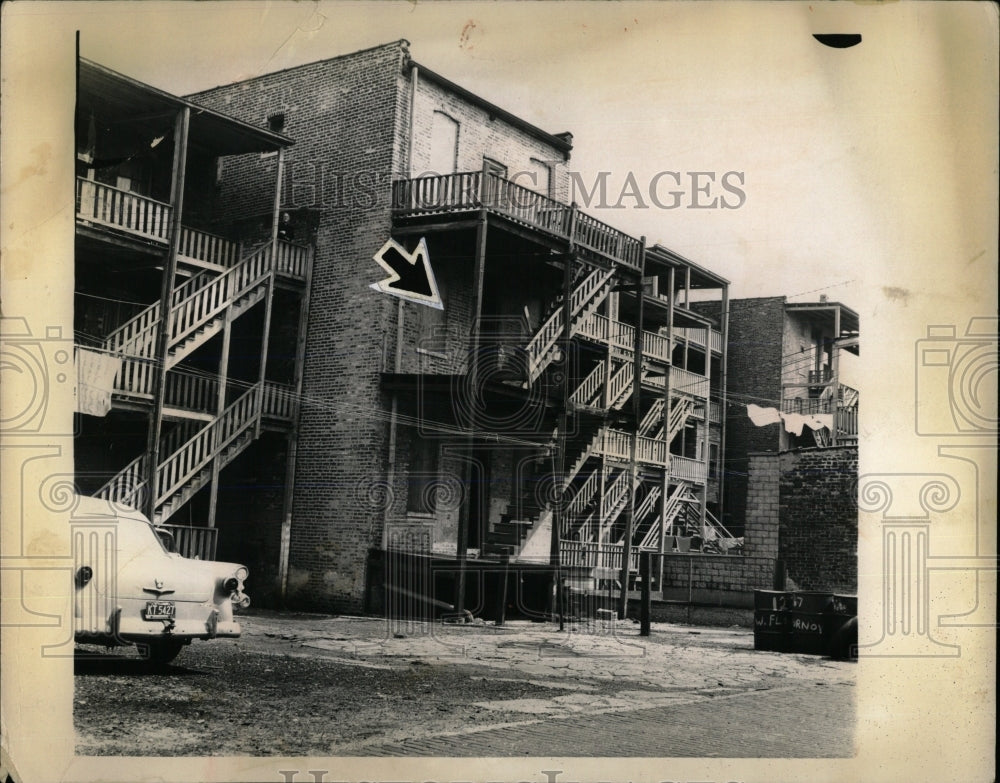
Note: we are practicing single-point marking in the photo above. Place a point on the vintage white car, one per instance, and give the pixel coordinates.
(131, 589)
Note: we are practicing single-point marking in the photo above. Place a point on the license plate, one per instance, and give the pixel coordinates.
(160, 610)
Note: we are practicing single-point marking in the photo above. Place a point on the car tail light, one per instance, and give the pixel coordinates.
(83, 575)
(234, 586)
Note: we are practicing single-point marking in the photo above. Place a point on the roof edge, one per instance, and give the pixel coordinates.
(265, 135)
(562, 141)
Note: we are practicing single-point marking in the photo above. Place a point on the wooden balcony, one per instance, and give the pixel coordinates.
(121, 210)
(701, 338)
(618, 445)
(131, 213)
(474, 190)
(688, 469)
(845, 417)
(622, 337)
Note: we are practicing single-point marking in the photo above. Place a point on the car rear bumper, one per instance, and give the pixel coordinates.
(128, 628)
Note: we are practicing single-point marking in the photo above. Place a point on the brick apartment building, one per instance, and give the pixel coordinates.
(189, 417)
(568, 383)
(786, 356)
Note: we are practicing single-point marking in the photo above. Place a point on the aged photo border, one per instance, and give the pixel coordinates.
(926, 492)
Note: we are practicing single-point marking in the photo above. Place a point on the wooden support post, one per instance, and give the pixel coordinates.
(646, 601)
(220, 406)
(835, 375)
(637, 416)
(558, 513)
(468, 512)
(181, 125)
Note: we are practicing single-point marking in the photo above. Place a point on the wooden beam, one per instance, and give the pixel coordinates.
(633, 447)
(466, 512)
(181, 127)
(431, 228)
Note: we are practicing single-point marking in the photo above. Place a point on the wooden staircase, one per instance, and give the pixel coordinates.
(584, 301)
(188, 465)
(524, 514)
(199, 308)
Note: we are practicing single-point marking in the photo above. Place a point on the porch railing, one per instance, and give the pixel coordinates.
(210, 248)
(698, 337)
(594, 555)
(197, 543)
(278, 401)
(191, 392)
(618, 445)
(622, 336)
(475, 189)
(688, 469)
(121, 209)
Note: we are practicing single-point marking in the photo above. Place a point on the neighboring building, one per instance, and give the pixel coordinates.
(456, 431)
(191, 417)
(785, 357)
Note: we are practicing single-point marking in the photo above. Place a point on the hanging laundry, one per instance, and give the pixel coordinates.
(821, 420)
(95, 380)
(794, 422)
(763, 416)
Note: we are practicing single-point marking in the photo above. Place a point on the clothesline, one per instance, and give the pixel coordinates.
(794, 422)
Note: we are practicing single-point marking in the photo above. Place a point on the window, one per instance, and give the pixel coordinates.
(444, 144)
(541, 177)
(275, 124)
(432, 336)
(494, 167)
(420, 498)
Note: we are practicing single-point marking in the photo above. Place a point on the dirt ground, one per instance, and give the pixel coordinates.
(318, 685)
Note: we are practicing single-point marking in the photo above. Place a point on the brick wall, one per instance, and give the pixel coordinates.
(251, 492)
(344, 115)
(350, 120)
(819, 518)
(755, 358)
(481, 134)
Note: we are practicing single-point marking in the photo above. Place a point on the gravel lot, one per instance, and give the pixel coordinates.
(317, 685)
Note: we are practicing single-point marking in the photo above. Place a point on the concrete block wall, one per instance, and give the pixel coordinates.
(736, 575)
(801, 510)
(755, 359)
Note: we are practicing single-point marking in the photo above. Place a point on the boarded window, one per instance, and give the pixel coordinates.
(444, 144)
(540, 179)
